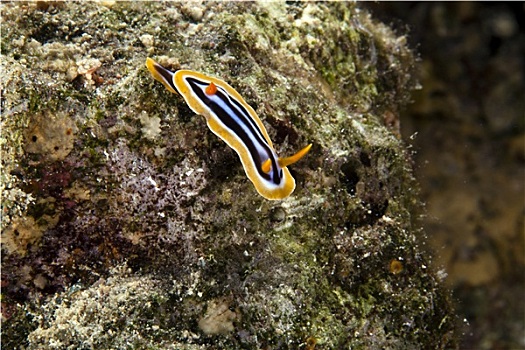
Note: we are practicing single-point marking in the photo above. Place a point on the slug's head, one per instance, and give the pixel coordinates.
(161, 74)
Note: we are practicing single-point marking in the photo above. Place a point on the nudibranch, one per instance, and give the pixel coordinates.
(234, 121)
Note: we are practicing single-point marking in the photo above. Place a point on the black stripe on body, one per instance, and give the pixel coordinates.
(166, 74)
(196, 86)
(250, 120)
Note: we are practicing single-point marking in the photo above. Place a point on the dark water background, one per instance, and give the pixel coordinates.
(466, 127)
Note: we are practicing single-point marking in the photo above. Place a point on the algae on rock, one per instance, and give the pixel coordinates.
(147, 194)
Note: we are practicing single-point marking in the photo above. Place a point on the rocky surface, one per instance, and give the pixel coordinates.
(128, 224)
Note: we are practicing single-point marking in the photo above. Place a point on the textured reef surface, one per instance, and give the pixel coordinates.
(128, 224)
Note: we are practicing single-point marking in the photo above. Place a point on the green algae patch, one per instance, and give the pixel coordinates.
(149, 233)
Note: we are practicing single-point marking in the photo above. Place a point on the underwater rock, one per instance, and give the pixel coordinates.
(161, 239)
